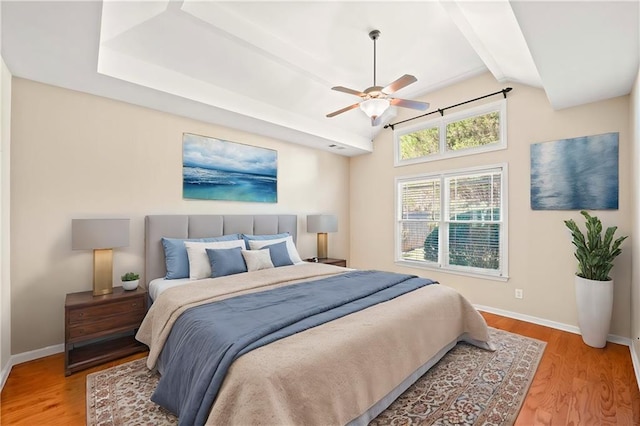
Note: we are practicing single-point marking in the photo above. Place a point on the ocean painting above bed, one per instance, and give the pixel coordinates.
(216, 169)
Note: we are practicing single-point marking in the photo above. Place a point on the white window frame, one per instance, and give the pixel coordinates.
(498, 275)
(442, 122)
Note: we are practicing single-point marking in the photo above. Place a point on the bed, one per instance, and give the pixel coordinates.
(342, 370)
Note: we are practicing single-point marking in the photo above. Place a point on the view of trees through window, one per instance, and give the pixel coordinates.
(450, 135)
(420, 144)
(473, 131)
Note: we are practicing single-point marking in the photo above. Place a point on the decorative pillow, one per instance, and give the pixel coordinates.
(291, 247)
(199, 266)
(279, 254)
(257, 259)
(249, 237)
(175, 254)
(226, 261)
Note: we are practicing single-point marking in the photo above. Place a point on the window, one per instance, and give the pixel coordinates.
(476, 130)
(454, 220)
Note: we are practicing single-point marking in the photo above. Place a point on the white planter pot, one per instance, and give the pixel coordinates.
(130, 285)
(595, 306)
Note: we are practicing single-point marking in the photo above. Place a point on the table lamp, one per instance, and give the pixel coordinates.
(101, 236)
(321, 224)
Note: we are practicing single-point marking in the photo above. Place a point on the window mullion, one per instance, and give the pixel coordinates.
(444, 221)
(443, 136)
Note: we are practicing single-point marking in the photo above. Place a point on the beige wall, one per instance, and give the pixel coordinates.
(5, 278)
(635, 241)
(541, 258)
(76, 155)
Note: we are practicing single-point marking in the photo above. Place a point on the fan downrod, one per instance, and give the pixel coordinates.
(373, 35)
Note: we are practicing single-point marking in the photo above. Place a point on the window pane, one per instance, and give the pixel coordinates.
(420, 143)
(421, 200)
(454, 220)
(473, 132)
(419, 241)
(474, 245)
(475, 198)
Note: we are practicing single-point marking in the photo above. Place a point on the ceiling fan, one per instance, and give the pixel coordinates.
(376, 99)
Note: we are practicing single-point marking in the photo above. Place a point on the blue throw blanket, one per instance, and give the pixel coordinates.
(206, 339)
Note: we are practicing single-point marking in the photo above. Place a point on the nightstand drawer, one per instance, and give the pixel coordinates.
(127, 308)
(97, 326)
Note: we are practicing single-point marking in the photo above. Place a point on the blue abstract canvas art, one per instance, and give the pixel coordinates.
(575, 174)
(216, 169)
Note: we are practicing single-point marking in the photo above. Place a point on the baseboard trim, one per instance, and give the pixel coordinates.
(547, 323)
(35, 354)
(4, 374)
(635, 359)
(28, 356)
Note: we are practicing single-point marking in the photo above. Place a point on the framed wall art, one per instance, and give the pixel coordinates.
(216, 169)
(575, 174)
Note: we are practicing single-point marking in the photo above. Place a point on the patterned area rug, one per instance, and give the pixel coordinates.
(468, 386)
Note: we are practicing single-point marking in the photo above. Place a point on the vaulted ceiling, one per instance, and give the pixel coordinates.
(268, 67)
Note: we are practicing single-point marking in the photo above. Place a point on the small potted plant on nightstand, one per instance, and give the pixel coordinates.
(130, 280)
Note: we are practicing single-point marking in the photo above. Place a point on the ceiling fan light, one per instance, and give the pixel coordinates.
(374, 107)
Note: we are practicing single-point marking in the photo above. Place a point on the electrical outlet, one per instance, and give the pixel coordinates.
(519, 293)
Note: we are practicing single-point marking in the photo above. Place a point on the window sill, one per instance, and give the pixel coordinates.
(422, 265)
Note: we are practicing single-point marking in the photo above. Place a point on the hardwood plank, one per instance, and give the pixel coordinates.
(38, 393)
(561, 348)
(574, 384)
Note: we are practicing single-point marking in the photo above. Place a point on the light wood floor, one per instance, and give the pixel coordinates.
(574, 385)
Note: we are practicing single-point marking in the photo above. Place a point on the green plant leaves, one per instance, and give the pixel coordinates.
(595, 254)
(130, 276)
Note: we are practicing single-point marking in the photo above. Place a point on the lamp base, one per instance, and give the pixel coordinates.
(322, 245)
(102, 271)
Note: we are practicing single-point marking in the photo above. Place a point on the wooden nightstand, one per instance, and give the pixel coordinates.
(101, 328)
(329, 261)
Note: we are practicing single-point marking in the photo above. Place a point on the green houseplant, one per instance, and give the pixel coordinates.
(594, 287)
(595, 254)
(130, 280)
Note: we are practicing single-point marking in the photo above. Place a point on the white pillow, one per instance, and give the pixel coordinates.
(199, 265)
(291, 248)
(257, 259)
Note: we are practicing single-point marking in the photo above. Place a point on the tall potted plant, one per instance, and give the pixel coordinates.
(594, 286)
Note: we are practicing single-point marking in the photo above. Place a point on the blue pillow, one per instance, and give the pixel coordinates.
(175, 254)
(279, 254)
(226, 261)
(248, 237)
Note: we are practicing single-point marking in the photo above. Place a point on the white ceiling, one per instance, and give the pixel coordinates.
(268, 67)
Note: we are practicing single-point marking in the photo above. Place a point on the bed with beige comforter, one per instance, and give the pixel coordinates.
(345, 371)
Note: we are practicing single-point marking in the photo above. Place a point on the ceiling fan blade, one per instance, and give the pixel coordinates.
(409, 104)
(403, 81)
(345, 109)
(349, 91)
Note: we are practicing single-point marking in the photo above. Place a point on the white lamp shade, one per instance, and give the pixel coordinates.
(321, 223)
(90, 234)
(374, 107)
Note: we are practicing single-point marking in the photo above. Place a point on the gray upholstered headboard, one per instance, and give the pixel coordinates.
(201, 226)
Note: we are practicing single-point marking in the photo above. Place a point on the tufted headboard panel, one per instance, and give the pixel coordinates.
(201, 226)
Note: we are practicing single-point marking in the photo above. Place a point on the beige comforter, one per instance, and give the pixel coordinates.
(329, 374)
